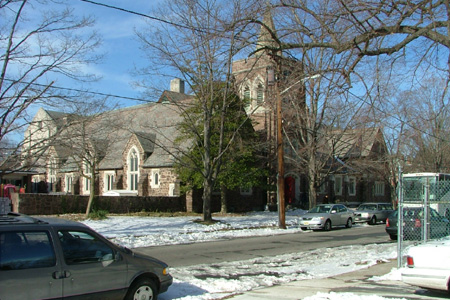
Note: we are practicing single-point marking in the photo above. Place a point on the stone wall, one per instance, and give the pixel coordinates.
(45, 204)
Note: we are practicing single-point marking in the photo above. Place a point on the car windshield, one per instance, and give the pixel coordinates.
(321, 209)
(367, 207)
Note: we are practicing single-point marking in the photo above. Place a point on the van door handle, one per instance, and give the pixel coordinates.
(61, 275)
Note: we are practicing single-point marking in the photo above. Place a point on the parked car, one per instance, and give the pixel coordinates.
(373, 212)
(325, 216)
(49, 258)
(413, 224)
(428, 265)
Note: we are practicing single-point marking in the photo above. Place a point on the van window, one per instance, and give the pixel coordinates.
(26, 250)
(81, 248)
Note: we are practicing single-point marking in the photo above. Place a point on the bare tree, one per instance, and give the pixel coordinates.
(85, 140)
(200, 50)
(428, 136)
(371, 28)
(41, 42)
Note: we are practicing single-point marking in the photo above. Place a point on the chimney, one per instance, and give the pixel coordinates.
(177, 85)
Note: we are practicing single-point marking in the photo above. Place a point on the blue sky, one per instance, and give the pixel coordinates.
(120, 45)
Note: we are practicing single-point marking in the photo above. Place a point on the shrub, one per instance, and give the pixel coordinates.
(98, 215)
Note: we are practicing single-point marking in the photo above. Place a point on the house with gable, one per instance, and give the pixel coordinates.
(138, 157)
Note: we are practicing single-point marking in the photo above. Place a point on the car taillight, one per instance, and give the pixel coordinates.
(387, 223)
(410, 262)
(417, 223)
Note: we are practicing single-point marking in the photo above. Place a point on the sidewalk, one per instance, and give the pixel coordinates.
(354, 282)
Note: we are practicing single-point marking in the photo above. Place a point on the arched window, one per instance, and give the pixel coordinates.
(247, 93)
(260, 94)
(133, 170)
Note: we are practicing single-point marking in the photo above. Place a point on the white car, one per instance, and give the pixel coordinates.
(428, 265)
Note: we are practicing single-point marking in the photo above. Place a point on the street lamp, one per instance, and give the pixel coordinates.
(280, 150)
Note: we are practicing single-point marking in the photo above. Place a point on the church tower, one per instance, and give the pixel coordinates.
(250, 76)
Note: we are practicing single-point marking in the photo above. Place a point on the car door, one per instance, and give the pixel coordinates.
(92, 268)
(336, 216)
(28, 266)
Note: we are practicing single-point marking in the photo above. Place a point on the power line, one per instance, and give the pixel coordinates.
(83, 91)
(142, 15)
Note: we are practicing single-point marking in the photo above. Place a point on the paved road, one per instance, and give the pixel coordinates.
(253, 247)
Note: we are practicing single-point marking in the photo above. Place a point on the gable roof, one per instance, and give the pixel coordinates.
(147, 141)
(358, 142)
(155, 127)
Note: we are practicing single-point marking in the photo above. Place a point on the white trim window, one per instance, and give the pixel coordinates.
(155, 180)
(52, 173)
(35, 185)
(338, 185)
(171, 189)
(247, 94)
(352, 186)
(133, 169)
(68, 183)
(109, 181)
(260, 94)
(378, 188)
(87, 178)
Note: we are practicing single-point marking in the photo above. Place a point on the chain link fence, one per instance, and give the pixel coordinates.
(424, 210)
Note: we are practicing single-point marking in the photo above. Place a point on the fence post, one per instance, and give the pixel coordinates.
(425, 210)
(400, 218)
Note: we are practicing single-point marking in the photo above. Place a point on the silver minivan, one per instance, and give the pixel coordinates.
(49, 258)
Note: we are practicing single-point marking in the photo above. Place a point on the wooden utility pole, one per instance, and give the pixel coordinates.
(280, 153)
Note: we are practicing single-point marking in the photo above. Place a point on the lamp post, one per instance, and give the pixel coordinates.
(280, 149)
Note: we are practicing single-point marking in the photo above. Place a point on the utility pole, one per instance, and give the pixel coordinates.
(272, 80)
(280, 148)
(280, 153)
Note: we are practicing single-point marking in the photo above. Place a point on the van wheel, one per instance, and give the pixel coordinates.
(373, 221)
(327, 226)
(142, 289)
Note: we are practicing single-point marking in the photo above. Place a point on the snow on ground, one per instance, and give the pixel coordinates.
(221, 280)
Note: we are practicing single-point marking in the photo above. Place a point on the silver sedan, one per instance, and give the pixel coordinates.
(325, 216)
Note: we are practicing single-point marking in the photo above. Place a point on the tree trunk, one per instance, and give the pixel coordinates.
(91, 192)
(223, 199)
(207, 192)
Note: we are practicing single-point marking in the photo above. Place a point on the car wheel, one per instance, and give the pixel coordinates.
(327, 226)
(349, 223)
(142, 289)
(303, 228)
(373, 221)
